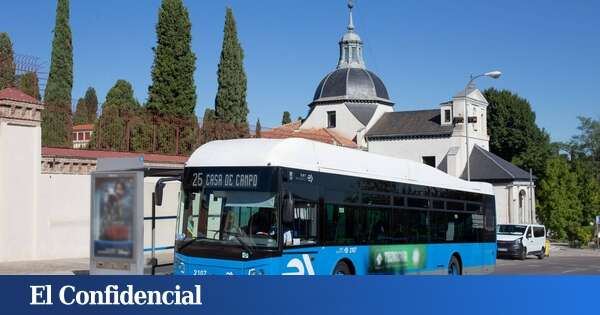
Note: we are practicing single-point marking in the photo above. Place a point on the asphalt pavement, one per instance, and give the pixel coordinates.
(560, 265)
(562, 261)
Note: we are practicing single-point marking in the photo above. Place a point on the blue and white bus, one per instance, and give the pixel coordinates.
(299, 207)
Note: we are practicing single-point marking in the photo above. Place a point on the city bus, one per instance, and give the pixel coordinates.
(300, 207)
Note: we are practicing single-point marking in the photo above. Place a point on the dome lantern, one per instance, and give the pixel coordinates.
(351, 46)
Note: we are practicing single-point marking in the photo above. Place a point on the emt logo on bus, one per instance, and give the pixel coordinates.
(299, 267)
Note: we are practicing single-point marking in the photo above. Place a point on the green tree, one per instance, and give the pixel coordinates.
(91, 102)
(559, 207)
(7, 62)
(56, 117)
(286, 119)
(215, 129)
(112, 132)
(29, 84)
(589, 190)
(120, 97)
(173, 90)
(258, 129)
(514, 134)
(85, 111)
(230, 102)
(80, 115)
(586, 145)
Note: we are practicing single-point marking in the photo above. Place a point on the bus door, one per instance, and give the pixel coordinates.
(299, 229)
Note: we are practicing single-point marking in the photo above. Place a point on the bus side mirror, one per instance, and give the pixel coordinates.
(288, 209)
(160, 187)
(158, 193)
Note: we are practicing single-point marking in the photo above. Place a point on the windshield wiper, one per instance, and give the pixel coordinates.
(190, 241)
(242, 242)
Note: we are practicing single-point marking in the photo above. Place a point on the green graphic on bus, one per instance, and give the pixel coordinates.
(396, 259)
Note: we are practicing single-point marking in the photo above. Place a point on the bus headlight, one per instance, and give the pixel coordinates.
(178, 266)
(256, 272)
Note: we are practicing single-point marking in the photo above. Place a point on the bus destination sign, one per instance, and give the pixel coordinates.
(224, 180)
(227, 178)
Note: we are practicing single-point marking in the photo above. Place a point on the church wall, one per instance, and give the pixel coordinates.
(508, 207)
(346, 124)
(413, 149)
(478, 108)
(501, 193)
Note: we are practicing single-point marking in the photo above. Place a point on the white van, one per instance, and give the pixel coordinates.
(520, 240)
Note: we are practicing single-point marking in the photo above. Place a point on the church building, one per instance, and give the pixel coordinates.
(352, 107)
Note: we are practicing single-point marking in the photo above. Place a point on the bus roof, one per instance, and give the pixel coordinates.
(321, 157)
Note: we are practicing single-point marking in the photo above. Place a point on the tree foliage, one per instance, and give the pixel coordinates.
(29, 84)
(569, 193)
(258, 129)
(120, 106)
(586, 145)
(7, 62)
(85, 111)
(56, 117)
(91, 102)
(559, 206)
(230, 102)
(80, 114)
(173, 90)
(514, 134)
(286, 119)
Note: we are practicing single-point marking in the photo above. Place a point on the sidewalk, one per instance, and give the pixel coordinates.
(46, 267)
(73, 266)
(563, 250)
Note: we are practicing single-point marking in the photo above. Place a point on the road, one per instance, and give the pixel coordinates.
(560, 265)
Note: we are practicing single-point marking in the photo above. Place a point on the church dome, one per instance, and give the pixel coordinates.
(352, 84)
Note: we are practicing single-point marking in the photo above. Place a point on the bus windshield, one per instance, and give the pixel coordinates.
(239, 218)
(507, 229)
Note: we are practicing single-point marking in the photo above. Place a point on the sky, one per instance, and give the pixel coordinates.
(424, 51)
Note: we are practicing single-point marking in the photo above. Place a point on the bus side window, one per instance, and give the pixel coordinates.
(304, 225)
(338, 226)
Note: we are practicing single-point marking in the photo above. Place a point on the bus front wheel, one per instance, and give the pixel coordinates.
(341, 269)
(454, 268)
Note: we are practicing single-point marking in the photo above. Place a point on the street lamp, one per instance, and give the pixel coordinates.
(491, 74)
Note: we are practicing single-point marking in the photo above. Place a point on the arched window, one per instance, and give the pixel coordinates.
(522, 195)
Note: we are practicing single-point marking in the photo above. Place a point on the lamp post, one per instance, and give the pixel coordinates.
(491, 74)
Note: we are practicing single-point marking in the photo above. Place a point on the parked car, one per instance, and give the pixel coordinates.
(520, 240)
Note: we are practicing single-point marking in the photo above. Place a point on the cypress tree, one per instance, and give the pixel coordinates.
(230, 102)
(85, 111)
(173, 90)
(286, 119)
(7, 62)
(111, 131)
(29, 84)
(258, 129)
(56, 117)
(91, 103)
(80, 115)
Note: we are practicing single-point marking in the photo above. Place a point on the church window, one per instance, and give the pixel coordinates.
(447, 116)
(429, 160)
(522, 194)
(354, 54)
(346, 54)
(331, 119)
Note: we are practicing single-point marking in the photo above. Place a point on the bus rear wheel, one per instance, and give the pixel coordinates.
(454, 268)
(341, 269)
